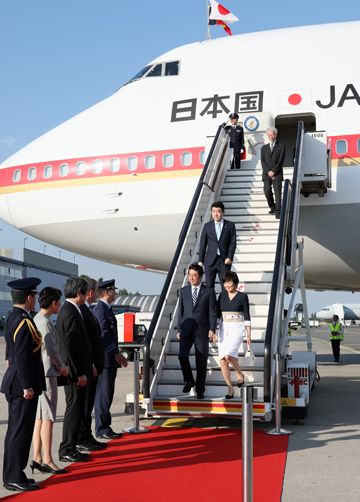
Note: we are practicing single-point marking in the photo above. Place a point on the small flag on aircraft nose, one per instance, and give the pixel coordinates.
(222, 24)
(220, 13)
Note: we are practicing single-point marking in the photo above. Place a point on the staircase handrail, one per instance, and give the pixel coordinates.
(294, 202)
(147, 363)
(286, 256)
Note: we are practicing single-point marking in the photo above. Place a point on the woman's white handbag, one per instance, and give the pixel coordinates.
(249, 360)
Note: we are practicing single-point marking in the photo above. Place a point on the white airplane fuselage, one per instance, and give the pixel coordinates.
(349, 312)
(115, 182)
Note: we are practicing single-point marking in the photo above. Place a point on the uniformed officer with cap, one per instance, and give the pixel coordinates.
(113, 359)
(236, 135)
(22, 384)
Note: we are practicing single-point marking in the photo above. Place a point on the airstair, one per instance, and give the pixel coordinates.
(267, 261)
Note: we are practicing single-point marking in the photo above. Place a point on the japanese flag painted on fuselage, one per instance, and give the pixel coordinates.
(220, 13)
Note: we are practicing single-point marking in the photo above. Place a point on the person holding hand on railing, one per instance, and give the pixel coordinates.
(235, 323)
(272, 161)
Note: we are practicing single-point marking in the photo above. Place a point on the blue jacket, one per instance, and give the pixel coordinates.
(109, 333)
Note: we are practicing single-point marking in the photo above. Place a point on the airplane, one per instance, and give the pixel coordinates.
(350, 312)
(114, 182)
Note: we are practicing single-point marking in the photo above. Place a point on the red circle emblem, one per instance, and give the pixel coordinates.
(294, 99)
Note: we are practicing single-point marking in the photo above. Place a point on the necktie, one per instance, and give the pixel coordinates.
(272, 145)
(194, 296)
(218, 233)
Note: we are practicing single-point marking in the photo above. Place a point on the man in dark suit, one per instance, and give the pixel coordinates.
(236, 135)
(272, 161)
(113, 359)
(197, 318)
(217, 245)
(75, 351)
(87, 442)
(22, 384)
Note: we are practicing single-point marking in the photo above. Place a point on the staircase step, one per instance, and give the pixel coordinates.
(163, 405)
(245, 257)
(249, 247)
(253, 267)
(213, 376)
(258, 349)
(173, 389)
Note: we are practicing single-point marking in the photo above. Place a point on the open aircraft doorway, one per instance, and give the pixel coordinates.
(287, 127)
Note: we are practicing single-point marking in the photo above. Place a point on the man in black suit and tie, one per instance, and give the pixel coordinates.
(87, 442)
(217, 245)
(22, 384)
(236, 135)
(197, 318)
(75, 351)
(272, 161)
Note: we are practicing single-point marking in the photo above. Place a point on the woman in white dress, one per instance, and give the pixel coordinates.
(234, 315)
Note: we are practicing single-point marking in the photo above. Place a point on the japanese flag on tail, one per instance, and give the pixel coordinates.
(220, 13)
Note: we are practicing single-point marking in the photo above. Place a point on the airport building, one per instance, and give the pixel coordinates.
(21, 263)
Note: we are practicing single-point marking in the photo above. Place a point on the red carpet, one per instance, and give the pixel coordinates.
(171, 464)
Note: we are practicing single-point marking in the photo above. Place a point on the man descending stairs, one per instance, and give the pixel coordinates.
(243, 196)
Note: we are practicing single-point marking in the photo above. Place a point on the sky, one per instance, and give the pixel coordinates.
(59, 57)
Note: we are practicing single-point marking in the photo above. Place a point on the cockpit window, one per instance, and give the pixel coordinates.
(157, 70)
(139, 74)
(172, 68)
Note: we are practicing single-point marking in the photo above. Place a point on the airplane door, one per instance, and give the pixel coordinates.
(287, 129)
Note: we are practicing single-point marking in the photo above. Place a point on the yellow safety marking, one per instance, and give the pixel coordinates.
(174, 422)
(288, 401)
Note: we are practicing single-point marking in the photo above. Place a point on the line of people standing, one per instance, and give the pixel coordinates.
(81, 353)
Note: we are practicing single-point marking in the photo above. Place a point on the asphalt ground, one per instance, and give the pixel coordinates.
(323, 462)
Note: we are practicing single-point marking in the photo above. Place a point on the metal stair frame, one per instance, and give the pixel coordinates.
(165, 316)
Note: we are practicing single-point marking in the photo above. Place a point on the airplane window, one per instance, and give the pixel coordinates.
(17, 175)
(202, 157)
(341, 146)
(139, 74)
(47, 172)
(150, 162)
(132, 163)
(155, 71)
(97, 166)
(64, 169)
(186, 159)
(168, 160)
(80, 168)
(31, 173)
(172, 68)
(114, 165)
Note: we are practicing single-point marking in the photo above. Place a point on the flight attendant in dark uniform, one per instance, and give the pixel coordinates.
(236, 134)
(22, 384)
(113, 359)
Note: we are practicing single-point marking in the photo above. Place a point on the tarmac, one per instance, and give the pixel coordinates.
(323, 461)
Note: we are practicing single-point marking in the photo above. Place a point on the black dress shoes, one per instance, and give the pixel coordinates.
(111, 435)
(89, 446)
(74, 457)
(200, 395)
(272, 211)
(21, 487)
(188, 386)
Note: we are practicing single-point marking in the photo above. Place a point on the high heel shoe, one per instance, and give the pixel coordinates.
(230, 396)
(46, 468)
(35, 465)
